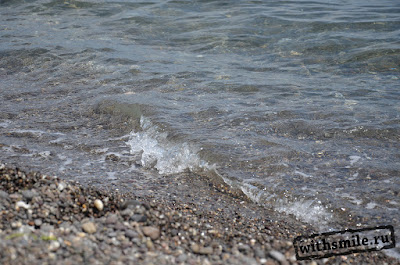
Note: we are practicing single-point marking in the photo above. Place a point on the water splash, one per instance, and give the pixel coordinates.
(157, 152)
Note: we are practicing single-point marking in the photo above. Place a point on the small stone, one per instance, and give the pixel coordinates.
(28, 194)
(278, 256)
(112, 219)
(81, 199)
(130, 204)
(152, 232)
(138, 218)
(54, 245)
(149, 244)
(313, 263)
(201, 250)
(61, 186)
(99, 205)
(244, 249)
(22, 204)
(127, 212)
(131, 234)
(4, 195)
(182, 258)
(89, 228)
(38, 222)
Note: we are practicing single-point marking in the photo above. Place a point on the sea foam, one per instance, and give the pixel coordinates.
(157, 152)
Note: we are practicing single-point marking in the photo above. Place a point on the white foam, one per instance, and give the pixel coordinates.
(157, 152)
(309, 211)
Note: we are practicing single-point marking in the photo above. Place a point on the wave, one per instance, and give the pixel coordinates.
(157, 152)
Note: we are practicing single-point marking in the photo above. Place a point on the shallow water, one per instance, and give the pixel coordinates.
(294, 102)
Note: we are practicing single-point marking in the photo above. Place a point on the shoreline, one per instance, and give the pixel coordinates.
(49, 220)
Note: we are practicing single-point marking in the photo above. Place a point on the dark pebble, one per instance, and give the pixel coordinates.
(138, 218)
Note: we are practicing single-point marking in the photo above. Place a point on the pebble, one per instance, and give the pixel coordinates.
(196, 248)
(259, 253)
(131, 234)
(28, 194)
(89, 227)
(61, 186)
(75, 233)
(99, 205)
(4, 195)
(112, 219)
(21, 204)
(138, 218)
(82, 199)
(54, 245)
(130, 204)
(152, 232)
(278, 256)
(38, 222)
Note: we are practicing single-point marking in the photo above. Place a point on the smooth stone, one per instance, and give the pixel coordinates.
(131, 234)
(201, 250)
(4, 195)
(28, 194)
(38, 222)
(112, 219)
(61, 186)
(130, 204)
(152, 232)
(22, 204)
(127, 212)
(99, 205)
(89, 228)
(277, 256)
(138, 218)
(259, 253)
(54, 245)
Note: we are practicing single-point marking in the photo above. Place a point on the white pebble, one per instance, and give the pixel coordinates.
(21, 204)
(61, 186)
(277, 255)
(99, 205)
(54, 245)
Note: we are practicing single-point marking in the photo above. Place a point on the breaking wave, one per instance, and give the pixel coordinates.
(157, 152)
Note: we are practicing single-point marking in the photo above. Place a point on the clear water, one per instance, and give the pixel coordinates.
(294, 102)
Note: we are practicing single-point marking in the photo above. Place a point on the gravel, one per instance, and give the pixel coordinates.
(47, 220)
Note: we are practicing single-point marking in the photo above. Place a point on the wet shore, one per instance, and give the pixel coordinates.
(48, 220)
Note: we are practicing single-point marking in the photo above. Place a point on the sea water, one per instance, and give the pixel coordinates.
(296, 103)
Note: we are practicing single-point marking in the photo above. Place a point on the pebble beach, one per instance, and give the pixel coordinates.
(48, 220)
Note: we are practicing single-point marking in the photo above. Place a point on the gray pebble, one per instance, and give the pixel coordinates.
(4, 195)
(130, 204)
(278, 256)
(131, 234)
(29, 194)
(112, 219)
(138, 218)
(127, 212)
(38, 222)
(259, 253)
